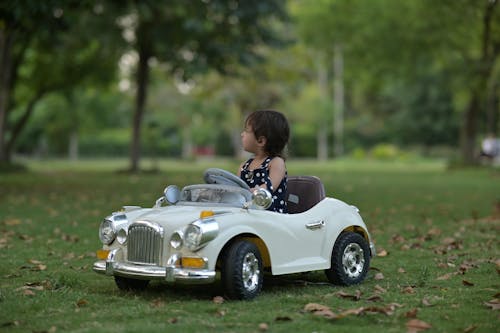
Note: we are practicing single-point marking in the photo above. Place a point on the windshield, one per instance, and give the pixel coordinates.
(215, 194)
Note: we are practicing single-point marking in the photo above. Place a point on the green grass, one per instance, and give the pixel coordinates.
(438, 227)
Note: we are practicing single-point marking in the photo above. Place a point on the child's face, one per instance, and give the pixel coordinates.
(248, 139)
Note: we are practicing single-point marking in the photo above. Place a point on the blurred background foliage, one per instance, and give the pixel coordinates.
(378, 78)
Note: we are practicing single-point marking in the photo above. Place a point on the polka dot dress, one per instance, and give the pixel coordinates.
(259, 176)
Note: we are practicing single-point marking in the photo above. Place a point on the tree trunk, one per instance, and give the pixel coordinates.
(21, 123)
(144, 50)
(5, 89)
(338, 101)
(322, 132)
(476, 104)
(322, 142)
(469, 130)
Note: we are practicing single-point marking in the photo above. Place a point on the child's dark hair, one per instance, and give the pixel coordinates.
(272, 125)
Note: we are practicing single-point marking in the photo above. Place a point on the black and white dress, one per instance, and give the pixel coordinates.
(259, 176)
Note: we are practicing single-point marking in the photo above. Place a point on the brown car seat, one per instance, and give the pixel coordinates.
(304, 192)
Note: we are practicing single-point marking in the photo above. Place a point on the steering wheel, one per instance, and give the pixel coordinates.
(223, 177)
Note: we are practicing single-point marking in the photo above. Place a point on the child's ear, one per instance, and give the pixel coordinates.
(262, 140)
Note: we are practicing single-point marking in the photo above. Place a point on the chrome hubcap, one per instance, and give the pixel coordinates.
(353, 260)
(250, 271)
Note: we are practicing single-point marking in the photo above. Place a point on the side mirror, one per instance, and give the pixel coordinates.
(262, 198)
(172, 194)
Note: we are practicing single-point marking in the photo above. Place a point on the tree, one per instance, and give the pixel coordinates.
(46, 47)
(191, 37)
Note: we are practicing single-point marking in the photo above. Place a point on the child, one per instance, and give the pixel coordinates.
(265, 135)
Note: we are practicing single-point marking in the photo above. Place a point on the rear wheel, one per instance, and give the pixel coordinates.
(241, 271)
(350, 259)
(127, 284)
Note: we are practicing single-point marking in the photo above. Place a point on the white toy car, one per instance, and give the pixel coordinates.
(222, 227)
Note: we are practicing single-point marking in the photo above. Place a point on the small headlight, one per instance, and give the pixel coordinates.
(106, 232)
(192, 238)
(176, 240)
(121, 236)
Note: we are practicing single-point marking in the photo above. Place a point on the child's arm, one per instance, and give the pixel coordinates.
(277, 171)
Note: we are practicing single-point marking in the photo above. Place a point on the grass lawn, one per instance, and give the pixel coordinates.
(436, 230)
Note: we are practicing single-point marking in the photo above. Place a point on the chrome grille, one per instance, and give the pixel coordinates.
(145, 243)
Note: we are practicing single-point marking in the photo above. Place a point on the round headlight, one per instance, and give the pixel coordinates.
(192, 238)
(106, 232)
(176, 240)
(121, 236)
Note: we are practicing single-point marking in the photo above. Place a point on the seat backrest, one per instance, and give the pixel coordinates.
(304, 192)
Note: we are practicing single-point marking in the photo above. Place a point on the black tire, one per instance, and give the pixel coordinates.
(128, 284)
(350, 260)
(241, 271)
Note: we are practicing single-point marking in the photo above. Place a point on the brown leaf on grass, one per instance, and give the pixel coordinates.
(467, 283)
(283, 318)
(470, 329)
(320, 310)
(379, 289)
(157, 303)
(379, 276)
(401, 270)
(426, 302)
(313, 307)
(11, 222)
(28, 292)
(173, 320)
(375, 298)
(434, 232)
(10, 324)
(412, 313)
(218, 299)
(26, 238)
(355, 297)
(220, 313)
(382, 253)
(493, 304)
(446, 276)
(408, 290)
(82, 302)
(263, 327)
(397, 239)
(417, 325)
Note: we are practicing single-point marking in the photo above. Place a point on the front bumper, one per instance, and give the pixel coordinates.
(169, 273)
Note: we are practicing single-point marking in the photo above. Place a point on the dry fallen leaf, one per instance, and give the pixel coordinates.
(408, 290)
(379, 289)
(417, 325)
(218, 300)
(173, 320)
(412, 313)
(157, 303)
(470, 329)
(379, 276)
(313, 307)
(382, 253)
(82, 302)
(263, 327)
(494, 304)
(355, 297)
(401, 270)
(467, 283)
(446, 276)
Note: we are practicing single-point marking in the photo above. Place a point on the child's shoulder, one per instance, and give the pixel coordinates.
(277, 161)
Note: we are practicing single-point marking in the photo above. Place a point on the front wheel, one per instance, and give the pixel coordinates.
(241, 271)
(350, 260)
(127, 284)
